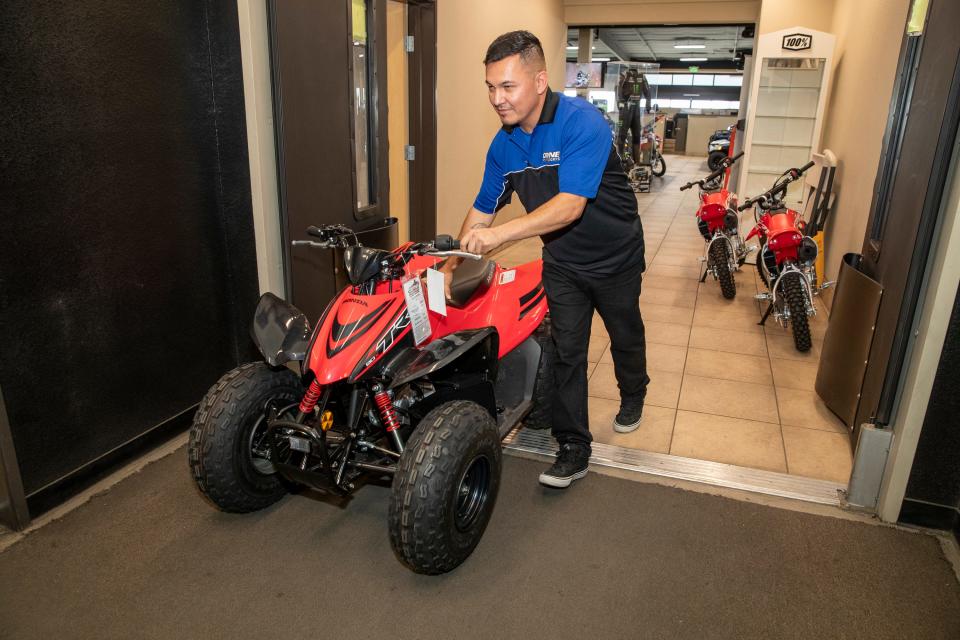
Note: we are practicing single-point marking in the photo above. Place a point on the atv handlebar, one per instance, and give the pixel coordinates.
(724, 164)
(779, 187)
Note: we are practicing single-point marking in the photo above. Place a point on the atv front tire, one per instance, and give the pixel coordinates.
(445, 487)
(539, 416)
(715, 158)
(229, 423)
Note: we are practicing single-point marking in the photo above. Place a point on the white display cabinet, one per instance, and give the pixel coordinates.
(788, 97)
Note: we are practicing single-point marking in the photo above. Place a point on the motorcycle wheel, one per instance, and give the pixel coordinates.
(795, 295)
(228, 426)
(539, 415)
(659, 166)
(714, 159)
(719, 259)
(445, 487)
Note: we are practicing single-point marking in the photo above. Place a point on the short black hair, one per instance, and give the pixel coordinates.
(509, 44)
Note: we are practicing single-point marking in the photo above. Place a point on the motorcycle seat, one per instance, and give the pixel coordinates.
(470, 278)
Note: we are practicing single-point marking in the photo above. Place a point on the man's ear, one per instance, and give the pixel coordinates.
(541, 79)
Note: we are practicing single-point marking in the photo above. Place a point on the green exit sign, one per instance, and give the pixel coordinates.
(694, 69)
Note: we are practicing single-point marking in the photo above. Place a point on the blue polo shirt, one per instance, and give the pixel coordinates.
(570, 150)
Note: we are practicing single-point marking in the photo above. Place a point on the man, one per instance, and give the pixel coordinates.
(557, 154)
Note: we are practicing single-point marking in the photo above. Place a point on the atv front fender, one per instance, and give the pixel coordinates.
(280, 331)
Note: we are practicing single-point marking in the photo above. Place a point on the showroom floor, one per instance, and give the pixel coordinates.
(722, 388)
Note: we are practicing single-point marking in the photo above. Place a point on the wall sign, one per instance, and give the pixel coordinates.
(797, 41)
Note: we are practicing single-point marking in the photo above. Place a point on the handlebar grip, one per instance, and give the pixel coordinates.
(316, 232)
(805, 167)
(686, 186)
(736, 157)
(445, 242)
(746, 205)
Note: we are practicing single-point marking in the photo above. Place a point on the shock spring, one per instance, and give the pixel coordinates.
(388, 414)
(310, 398)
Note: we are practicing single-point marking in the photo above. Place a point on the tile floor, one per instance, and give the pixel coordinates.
(722, 388)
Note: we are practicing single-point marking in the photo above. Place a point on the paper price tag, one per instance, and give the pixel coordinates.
(436, 297)
(417, 308)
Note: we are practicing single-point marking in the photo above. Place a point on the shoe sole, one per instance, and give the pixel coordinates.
(627, 428)
(560, 483)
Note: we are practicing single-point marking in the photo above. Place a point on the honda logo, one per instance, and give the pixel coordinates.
(797, 41)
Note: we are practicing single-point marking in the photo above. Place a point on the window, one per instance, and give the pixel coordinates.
(702, 81)
(677, 104)
(659, 78)
(683, 78)
(727, 81)
(363, 134)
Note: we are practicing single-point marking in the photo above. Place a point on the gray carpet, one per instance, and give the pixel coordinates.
(606, 559)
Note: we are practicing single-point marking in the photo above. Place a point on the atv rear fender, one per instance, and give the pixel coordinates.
(280, 331)
(462, 364)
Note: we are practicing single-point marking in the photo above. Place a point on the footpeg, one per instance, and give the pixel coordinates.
(763, 297)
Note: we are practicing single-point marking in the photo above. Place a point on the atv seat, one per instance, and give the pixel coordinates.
(469, 278)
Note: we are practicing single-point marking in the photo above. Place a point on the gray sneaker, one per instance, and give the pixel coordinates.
(628, 419)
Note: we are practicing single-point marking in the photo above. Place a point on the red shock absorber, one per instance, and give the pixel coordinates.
(310, 398)
(388, 414)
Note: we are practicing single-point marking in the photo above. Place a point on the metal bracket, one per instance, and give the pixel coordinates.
(409, 152)
(408, 44)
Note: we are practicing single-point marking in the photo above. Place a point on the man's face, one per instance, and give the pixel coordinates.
(514, 90)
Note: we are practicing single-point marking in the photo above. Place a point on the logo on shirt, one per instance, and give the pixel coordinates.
(551, 156)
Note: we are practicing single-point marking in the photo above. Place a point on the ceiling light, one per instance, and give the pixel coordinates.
(691, 95)
(693, 59)
(689, 46)
(578, 48)
(601, 60)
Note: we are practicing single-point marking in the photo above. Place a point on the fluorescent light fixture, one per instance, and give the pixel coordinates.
(689, 46)
(577, 48)
(693, 59)
(691, 95)
(600, 60)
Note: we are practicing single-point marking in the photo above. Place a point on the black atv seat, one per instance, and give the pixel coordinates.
(470, 277)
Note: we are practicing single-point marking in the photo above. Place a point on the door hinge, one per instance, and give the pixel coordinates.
(409, 152)
(408, 44)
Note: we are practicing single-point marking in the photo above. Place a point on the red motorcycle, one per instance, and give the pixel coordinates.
(720, 227)
(387, 388)
(786, 259)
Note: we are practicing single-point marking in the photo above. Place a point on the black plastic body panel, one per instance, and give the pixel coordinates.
(280, 331)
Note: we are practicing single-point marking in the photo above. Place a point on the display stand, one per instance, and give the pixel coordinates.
(788, 97)
(630, 112)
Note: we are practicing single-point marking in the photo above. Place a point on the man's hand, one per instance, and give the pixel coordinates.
(481, 240)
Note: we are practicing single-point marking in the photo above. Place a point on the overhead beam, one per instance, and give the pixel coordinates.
(610, 41)
(645, 43)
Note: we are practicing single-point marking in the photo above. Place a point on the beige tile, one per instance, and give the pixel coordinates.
(799, 408)
(597, 328)
(710, 297)
(818, 454)
(689, 272)
(663, 390)
(597, 346)
(736, 441)
(729, 398)
(684, 259)
(728, 366)
(660, 357)
(782, 346)
(666, 313)
(728, 319)
(751, 344)
(794, 374)
(667, 333)
(668, 282)
(668, 297)
(653, 434)
(591, 367)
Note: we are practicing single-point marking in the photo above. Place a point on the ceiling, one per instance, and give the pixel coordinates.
(722, 44)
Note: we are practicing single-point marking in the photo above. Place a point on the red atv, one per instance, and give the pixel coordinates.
(719, 225)
(786, 259)
(386, 389)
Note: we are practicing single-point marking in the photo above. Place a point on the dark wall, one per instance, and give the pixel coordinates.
(128, 267)
(933, 492)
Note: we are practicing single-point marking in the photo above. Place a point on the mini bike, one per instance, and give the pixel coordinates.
(719, 225)
(786, 259)
(385, 388)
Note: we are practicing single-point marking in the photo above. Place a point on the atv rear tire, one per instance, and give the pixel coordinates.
(230, 416)
(794, 293)
(445, 487)
(720, 261)
(539, 416)
(715, 158)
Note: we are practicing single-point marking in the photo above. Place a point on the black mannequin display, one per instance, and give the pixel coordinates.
(632, 87)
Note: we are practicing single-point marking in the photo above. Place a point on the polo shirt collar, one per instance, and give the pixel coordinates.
(547, 114)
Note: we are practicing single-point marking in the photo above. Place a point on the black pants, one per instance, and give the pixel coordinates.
(572, 297)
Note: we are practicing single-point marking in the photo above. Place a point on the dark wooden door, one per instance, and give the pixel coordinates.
(320, 52)
(918, 144)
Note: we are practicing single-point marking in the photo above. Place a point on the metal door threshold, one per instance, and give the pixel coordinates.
(713, 473)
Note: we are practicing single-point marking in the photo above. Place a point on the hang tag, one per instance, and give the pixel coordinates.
(506, 277)
(436, 297)
(417, 308)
